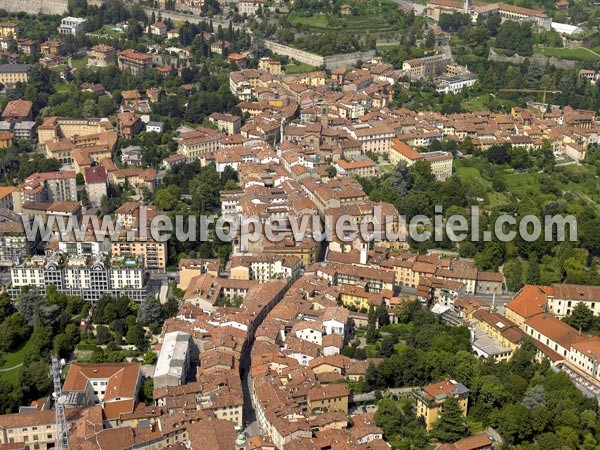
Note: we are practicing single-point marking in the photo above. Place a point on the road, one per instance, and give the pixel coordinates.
(177, 16)
(416, 7)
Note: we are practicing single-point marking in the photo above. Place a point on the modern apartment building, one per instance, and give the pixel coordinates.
(89, 278)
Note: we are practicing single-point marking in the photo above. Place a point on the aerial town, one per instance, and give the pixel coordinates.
(303, 225)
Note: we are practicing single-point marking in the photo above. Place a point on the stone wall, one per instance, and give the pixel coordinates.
(536, 59)
(330, 62)
(39, 6)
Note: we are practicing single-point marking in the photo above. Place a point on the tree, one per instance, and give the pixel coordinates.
(13, 332)
(452, 424)
(372, 334)
(535, 397)
(581, 317)
(136, 336)
(388, 417)
(102, 334)
(387, 345)
(150, 311)
(533, 269)
(382, 316)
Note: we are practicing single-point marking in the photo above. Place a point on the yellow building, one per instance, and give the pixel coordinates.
(8, 29)
(356, 296)
(333, 398)
(190, 268)
(153, 252)
(431, 398)
(11, 74)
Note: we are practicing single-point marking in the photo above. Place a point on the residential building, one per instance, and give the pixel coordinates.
(89, 278)
(226, 122)
(71, 25)
(158, 29)
(11, 74)
(14, 245)
(135, 63)
(102, 56)
(8, 29)
(153, 253)
(47, 187)
(431, 398)
(17, 110)
(52, 48)
(96, 184)
(113, 386)
(129, 124)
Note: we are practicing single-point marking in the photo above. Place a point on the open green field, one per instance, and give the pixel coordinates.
(80, 62)
(372, 23)
(578, 54)
(386, 47)
(10, 369)
(292, 69)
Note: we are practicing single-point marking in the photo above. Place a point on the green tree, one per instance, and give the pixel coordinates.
(388, 417)
(150, 311)
(533, 269)
(581, 317)
(452, 424)
(136, 336)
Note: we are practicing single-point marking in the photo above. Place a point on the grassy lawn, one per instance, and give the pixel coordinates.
(14, 359)
(386, 47)
(374, 23)
(292, 69)
(472, 177)
(80, 62)
(578, 54)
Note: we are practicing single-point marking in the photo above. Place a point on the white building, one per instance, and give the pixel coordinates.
(71, 25)
(173, 363)
(91, 248)
(454, 85)
(565, 28)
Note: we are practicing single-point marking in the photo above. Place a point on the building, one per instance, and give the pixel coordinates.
(53, 47)
(249, 7)
(191, 268)
(8, 29)
(17, 110)
(362, 168)
(89, 278)
(264, 267)
(536, 17)
(11, 74)
(135, 63)
(431, 398)
(427, 67)
(441, 162)
(47, 187)
(201, 143)
(270, 65)
(14, 245)
(153, 253)
(331, 398)
(129, 124)
(96, 184)
(226, 122)
(71, 25)
(158, 29)
(375, 137)
(564, 297)
(113, 386)
(102, 56)
(173, 365)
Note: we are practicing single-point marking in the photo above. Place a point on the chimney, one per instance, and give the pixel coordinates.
(363, 254)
